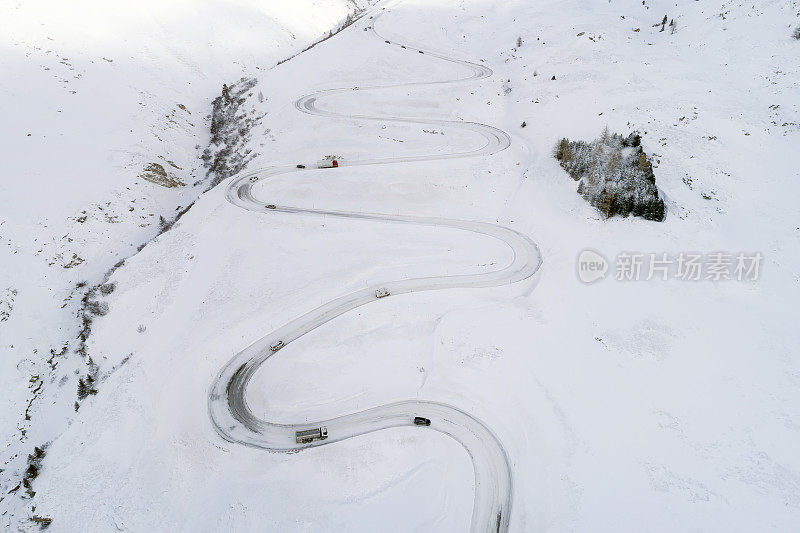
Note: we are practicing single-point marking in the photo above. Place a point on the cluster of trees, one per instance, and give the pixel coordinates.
(613, 174)
(230, 130)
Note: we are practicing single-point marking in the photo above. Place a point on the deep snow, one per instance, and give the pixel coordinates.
(91, 95)
(624, 406)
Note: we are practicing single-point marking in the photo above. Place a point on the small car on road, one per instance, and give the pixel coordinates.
(382, 293)
(421, 421)
(277, 346)
(271, 206)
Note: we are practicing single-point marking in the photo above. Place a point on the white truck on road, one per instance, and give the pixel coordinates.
(310, 435)
(328, 162)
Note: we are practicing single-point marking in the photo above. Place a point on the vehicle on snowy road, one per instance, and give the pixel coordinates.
(328, 163)
(271, 206)
(381, 293)
(310, 435)
(420, 421)
(277, 346)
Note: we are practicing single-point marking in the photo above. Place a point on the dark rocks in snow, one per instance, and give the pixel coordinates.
(613, 174)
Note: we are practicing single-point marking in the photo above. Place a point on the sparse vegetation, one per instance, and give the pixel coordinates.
(230, 132)
(74, 261)
(92, 306)
(43, 521)
(86, 387)
(97, 308)
(613, 174)
(663, 25)
(7, 303)
(166, 225)
(107, 288)
(32, 472)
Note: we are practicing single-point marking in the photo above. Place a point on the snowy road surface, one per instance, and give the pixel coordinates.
(228, 407)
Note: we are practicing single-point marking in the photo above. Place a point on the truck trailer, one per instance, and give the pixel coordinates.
(310, 435)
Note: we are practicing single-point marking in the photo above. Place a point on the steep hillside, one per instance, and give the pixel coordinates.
(106, 112)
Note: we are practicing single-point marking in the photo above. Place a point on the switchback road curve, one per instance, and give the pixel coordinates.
(227, 404)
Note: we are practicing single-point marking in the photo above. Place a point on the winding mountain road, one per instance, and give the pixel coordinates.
(227, 403)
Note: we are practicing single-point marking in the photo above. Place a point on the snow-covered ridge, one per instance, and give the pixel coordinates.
(105, 114)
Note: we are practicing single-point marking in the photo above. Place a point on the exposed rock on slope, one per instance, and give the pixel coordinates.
(155, 173)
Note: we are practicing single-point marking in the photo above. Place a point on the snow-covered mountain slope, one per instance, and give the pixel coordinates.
(623, 406)
(105, 114)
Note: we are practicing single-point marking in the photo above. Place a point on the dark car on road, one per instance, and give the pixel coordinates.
(420, 421)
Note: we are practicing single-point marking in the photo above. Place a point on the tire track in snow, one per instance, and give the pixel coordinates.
(227, 404)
